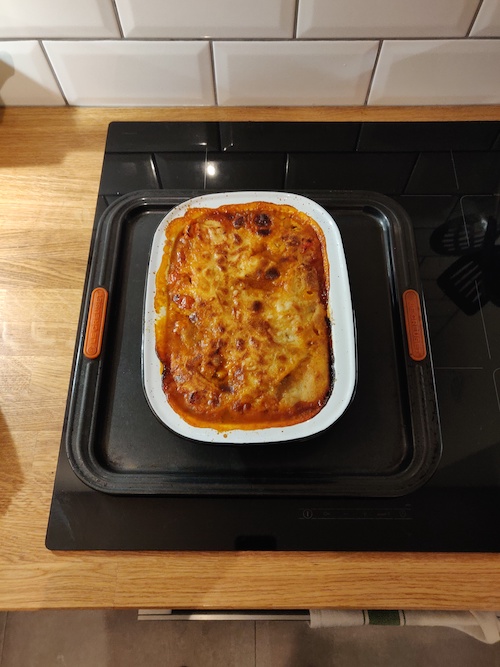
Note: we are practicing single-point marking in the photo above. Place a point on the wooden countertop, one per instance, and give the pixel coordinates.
(50, 163)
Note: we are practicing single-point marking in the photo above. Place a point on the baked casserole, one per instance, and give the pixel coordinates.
(242, 328)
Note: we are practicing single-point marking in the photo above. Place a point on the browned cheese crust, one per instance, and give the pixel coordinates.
(242, 330)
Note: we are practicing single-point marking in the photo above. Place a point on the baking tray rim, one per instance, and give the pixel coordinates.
(88, 468)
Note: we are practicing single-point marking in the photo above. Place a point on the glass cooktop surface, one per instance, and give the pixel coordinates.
(446, 177)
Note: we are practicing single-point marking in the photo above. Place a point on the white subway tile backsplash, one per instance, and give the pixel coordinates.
(293, 73)
(384, 18)
(57, 18)
(242, 52)
(25, 76)
(431, 72)
(192, 19)
(133, 73)
(487, 23)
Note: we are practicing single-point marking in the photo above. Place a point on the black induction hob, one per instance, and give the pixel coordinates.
(446, 179)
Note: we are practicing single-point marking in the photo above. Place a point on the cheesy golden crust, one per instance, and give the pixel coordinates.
(242, 324)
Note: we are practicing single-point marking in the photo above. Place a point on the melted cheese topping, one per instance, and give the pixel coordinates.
(242, 329)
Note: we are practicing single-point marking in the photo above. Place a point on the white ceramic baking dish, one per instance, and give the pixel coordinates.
(339, 309)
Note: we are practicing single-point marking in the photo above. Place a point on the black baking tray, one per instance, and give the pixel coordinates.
(387, 443)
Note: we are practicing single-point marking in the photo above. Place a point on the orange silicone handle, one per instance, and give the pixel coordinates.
(95, 323)
(417, 348)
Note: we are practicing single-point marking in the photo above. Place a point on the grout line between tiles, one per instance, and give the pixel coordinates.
(472, 38)
(295, 19)
(214, 75)
(370, 84)
(54, 73)
(478, 9)
(117, 17)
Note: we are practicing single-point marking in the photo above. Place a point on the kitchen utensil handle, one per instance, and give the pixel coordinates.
(95, 323)
(415, 335)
